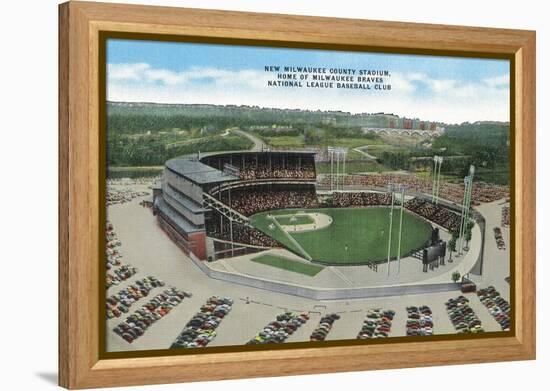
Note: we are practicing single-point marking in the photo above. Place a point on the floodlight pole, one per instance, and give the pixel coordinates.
(400, 228)
(468, 202)
(337, 168)
(440, 160)
(344, 170)
(467, 212)
(331, 152)
(231, 228)
(391, 223)
(433, 178)
(462, 212)
(468, 187)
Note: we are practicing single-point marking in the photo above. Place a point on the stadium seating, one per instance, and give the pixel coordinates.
(481, 192)
(267, 165)
(242, 234)
(255, 199)
(436, 213)
(340, 200)
(277, 171)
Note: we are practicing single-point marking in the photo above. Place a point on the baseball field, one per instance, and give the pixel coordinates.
(355, 235)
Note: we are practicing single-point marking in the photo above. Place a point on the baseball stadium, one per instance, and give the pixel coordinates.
(261, 233)
(267, 207)
(239, 212)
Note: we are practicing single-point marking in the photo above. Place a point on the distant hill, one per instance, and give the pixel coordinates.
(131, 117)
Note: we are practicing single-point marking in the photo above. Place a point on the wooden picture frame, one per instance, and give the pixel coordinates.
(80, 155)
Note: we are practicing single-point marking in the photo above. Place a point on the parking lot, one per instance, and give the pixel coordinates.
(147, 248)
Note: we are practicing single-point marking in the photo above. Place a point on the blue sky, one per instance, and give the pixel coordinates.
(435, 88)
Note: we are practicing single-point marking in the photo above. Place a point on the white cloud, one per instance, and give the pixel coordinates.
(441, 85)
(497, 81)
(126, 72)
(145, 74)
(412, 94)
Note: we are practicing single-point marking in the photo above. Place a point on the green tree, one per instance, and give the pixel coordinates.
(455, 277)
(451, 245)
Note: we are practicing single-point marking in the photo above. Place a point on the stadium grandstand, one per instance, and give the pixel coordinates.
(226, 204)
(212, 196)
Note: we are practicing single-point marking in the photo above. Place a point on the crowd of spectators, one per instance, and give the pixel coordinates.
(377, 324)
(280, 329)
(436, 213)
(481, 192)
(136, 324)
(121, 196)
(201, 329)
(323, 328)
(121, 274)
(501, 245)
(251, 201)
(462, 316)
(342, 200)
(497, 306)
(120, 302)
(419, 320)
(505, 219)
(292, 170)
(243, 234)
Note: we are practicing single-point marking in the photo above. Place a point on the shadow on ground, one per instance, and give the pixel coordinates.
(48, 377)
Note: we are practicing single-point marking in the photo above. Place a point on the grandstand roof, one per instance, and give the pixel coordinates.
(198, 172)
(276, 152)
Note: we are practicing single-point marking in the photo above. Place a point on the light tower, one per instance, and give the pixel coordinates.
(344, 152)
(400, 229)
(331, 154)
(465, 215)
(337, 167)
(462, 213)
(434, 170)
(390, 187)
(468, 203)
(440, 161)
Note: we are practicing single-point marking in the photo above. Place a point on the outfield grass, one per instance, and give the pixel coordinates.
(298, 220)
(356, 235)
(288, 264)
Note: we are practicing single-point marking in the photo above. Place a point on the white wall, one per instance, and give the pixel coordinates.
(28, 86)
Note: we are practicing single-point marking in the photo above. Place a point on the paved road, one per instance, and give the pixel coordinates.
(258, 143)
(364, 153)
